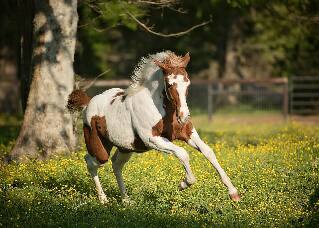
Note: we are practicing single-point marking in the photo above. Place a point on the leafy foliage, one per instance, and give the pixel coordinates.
(277, 38)
(95, 34)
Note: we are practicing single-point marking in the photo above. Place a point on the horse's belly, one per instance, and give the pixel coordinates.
(119, 127)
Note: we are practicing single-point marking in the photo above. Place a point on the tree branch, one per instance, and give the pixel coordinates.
(157, 3)
(86, 87)
(170, 34)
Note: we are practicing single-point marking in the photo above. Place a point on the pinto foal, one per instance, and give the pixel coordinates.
(149, 114)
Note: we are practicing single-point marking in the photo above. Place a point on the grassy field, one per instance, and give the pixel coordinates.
(273, 164)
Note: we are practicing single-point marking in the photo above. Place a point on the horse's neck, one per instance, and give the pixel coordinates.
(156, 88)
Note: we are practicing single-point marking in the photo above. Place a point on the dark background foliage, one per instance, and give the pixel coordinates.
(244, 39)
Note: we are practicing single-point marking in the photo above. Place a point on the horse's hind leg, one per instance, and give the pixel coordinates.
(98, 153)
(118, 161)
(93, 165)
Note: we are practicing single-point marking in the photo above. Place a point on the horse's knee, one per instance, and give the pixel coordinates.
(116, 165)
(92, 164)
(182, 155)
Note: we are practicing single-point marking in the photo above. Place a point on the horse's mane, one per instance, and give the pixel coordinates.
(146, 66)
(145, 69)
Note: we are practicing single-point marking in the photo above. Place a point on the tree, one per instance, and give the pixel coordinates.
(47, 127)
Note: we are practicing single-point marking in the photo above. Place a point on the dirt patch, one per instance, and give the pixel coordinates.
(305, 119)
(269, 118)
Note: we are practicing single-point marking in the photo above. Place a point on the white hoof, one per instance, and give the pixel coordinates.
(103, 199)
(127, 201)
(235, 197)
(183, 185)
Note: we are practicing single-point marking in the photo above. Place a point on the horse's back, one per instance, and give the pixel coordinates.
(98, 104)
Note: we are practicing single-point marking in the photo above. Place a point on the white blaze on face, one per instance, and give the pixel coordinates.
(181, 87)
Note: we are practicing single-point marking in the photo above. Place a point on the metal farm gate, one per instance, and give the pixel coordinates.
(270, 94)
(304, 95)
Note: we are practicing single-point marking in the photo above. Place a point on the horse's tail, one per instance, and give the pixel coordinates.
(77, 100)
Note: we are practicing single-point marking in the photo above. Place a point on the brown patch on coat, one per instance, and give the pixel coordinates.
(174, 64)
(177, 71)
(101, 126)
(138, 144)
(169, 127)
(158, 128)
(96, 139)
(174, 96)
(117, 95)
(77, 100)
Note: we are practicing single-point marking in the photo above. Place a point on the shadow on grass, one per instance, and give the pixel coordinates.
(55, 212)
(311, 220)
(8, 133)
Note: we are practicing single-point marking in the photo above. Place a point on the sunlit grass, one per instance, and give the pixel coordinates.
(275, 168)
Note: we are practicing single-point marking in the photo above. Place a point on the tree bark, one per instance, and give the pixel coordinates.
(47, 127)
(26, 15)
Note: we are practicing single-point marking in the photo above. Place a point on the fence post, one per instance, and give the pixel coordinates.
(285, 100)
(210, 101)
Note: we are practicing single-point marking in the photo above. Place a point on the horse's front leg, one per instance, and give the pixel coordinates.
(196, 142)
(163, 144)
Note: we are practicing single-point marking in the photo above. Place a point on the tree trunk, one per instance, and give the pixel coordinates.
(47, 127)
(26, 15)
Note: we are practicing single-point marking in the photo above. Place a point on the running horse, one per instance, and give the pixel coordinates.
(150, 114)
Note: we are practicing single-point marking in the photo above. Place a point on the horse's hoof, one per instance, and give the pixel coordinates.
(182, 186)
(128, 202)
(103, 199)
(235, 197)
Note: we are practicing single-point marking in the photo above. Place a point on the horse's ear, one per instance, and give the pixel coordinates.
(186, 59)
(161, 65)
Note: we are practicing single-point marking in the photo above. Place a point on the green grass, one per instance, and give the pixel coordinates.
(274, 166)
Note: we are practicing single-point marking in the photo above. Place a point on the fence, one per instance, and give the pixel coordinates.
(211, 96)
(262, 95)
(304, 95)
(301, 97)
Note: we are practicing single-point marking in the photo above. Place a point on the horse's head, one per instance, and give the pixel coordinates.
(176, 83)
